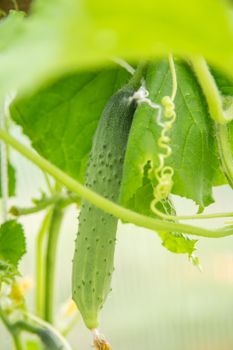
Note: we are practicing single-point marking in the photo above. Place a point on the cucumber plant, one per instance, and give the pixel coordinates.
(116, 137)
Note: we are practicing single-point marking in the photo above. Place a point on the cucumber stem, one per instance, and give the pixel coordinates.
(136, 80)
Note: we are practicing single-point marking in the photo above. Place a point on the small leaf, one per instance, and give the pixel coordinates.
(12, 242)
(178, 243)
(7, 271)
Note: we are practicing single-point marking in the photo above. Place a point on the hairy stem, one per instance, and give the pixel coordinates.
(17, 341)
(192, 217)
(67, 329)
(105, 204)
(25, 326)
(136, 80)
(217, 113)
(12, 330)
(174, 77)
(41, 205)
(61, 342)
(44, 203)
(51, 254)
(210, 90)
(49, 336)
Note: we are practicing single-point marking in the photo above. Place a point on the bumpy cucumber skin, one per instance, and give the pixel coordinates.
(95, 243)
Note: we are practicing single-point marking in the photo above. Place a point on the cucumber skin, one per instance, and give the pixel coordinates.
(95, 243)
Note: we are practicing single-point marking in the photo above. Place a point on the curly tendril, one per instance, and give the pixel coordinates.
(164, 173)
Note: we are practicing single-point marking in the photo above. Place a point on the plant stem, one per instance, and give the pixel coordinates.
(65, 331)
(225, 152)
(48, 183)
(51, 254)
(136, 80)
(210, 90)
(25, 326)
(44, 203)
(63, 344)
(4, 171)
(217, 113)
(17, 341)
(13, 331)
(192, 217)
(40, 264)
(41, 205)
(174, 77)
(105, 204)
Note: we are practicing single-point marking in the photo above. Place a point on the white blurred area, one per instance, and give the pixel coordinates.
(159, 300)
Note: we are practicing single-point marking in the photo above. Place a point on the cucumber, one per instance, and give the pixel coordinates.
(96, 239)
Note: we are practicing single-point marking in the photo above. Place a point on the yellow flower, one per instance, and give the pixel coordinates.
(20, 288)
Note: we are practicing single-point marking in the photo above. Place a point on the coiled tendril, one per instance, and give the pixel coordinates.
(163, 172)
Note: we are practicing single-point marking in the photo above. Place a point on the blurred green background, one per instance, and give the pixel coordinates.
(159, 300)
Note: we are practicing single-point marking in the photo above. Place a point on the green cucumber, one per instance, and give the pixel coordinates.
(95, 244)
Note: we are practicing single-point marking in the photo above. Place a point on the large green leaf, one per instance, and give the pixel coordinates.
(192, 143)
(61, 119)
(63, 35)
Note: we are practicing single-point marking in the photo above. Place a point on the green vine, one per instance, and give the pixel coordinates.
(51, 253)
(105, 204)
(218, 114)
(210, 91)
(64, 200)
(14, 331)
(40, 264)
(29, 323)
